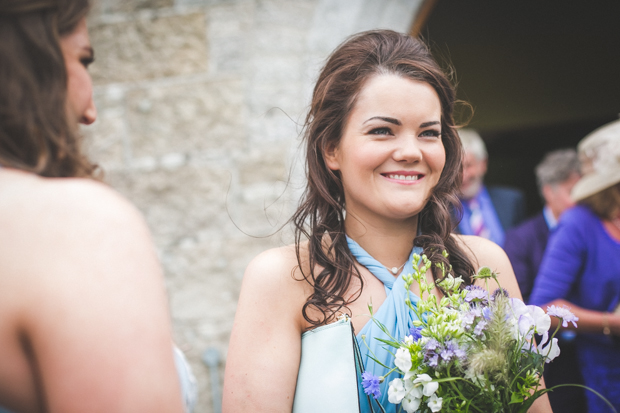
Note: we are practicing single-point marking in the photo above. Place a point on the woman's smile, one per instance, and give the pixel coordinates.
(404, 177)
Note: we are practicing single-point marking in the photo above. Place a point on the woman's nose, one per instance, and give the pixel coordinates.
(90, 114)
(408, 150)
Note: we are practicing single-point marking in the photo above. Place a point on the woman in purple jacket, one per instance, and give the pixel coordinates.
(581, 266)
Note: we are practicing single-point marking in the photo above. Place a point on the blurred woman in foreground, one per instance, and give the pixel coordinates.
(84, 325)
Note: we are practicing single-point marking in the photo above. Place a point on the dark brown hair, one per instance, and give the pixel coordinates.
(605, 203)
(320, 216)
(36, 134)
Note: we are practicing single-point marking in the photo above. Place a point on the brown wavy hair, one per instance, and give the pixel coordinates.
(320, 216)
(36, 134)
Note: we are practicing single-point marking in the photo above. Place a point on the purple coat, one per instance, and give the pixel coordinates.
(525, 246)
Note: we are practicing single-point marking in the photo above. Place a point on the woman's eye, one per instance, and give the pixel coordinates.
(86, 61)
(432, 133)
(381, 131)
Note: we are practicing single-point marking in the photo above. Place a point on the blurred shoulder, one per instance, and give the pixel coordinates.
(578, 215)
(62, 202)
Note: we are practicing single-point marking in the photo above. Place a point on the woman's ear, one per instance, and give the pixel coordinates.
(330, 154)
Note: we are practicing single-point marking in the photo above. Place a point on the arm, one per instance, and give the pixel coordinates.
(485, 252)
(265, 344)
(94, 313)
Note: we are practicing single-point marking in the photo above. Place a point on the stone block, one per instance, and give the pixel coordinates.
(264, 166)
(176, 203)
(188, 118)
(285, 13)
(130, 6)
(279, 40)
(149, 48)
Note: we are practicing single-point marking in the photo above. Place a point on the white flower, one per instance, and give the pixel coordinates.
(411, 403)
(408, 340)
(430, 386)
(529, 319)
(551, 350)
(396, 391)
(402, 359)
(434, 403)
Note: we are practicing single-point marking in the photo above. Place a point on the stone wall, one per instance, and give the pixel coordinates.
(200, 105)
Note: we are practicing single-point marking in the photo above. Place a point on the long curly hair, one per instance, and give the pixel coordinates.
(320, 215)
(36, 134)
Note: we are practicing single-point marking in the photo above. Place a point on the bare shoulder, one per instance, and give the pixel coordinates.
(73, 225)
(276, 274)
(482, 252)
(78, 199)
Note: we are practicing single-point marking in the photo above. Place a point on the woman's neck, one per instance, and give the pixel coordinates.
(390, 242)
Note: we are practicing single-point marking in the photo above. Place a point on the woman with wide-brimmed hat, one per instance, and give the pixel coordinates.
(581, 267)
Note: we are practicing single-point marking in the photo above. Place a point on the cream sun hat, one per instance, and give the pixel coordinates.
(599, 154)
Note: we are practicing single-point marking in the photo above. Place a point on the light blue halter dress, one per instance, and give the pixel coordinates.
(394, 314)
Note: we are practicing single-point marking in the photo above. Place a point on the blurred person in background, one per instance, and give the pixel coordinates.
(581, 265)
(84, 323)
(525, 245)
(487, 211)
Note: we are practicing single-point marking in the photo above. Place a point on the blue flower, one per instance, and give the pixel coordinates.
(487, 313)
(416, 333)
(371, 384)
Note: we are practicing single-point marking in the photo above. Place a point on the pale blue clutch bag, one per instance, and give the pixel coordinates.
(328, 375)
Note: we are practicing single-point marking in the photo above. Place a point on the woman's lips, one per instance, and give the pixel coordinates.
(402, 176)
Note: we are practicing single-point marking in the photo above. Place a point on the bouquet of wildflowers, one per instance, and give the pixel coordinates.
(472, 350)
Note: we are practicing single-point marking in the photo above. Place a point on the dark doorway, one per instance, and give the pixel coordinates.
(540, 75)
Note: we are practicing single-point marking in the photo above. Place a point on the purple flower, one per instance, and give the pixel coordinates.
(416, 333)
(433, 360)
(371, 384)
(498, 292)
(487, 313)
(431, 348)
(456, 350)
(470, 316)
(432, 344)
(480, 327)
(447, 354)
(564, 314)
(476, 294)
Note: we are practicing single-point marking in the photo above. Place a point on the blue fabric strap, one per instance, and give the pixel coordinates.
(394, 314)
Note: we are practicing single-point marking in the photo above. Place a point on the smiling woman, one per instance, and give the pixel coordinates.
(383, 165)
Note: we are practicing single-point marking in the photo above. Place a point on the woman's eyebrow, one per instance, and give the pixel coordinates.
(386, 119)
(427, 124)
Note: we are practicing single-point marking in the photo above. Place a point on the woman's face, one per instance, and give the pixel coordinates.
(78, 54)
(391, 154)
